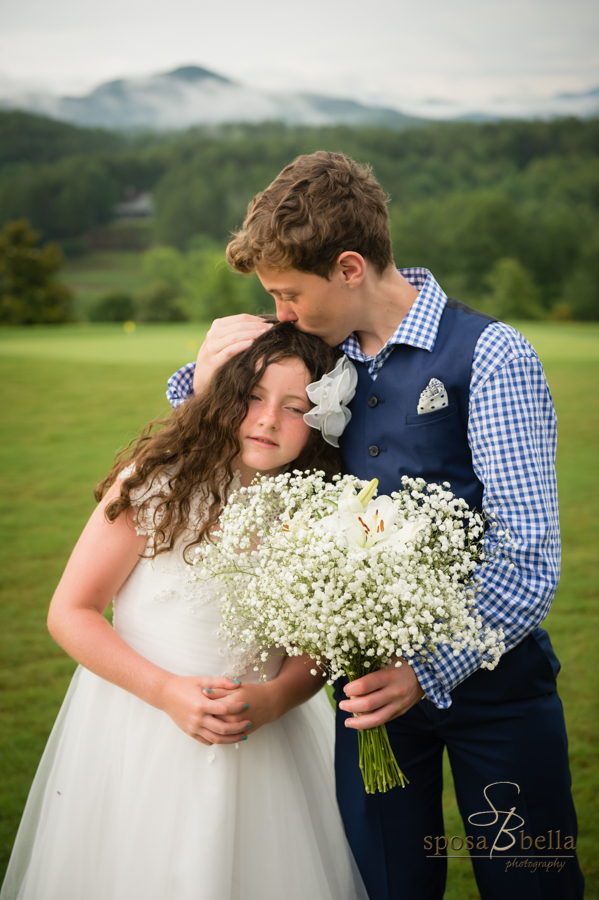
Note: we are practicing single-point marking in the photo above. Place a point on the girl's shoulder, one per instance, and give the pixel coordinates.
(147, 500)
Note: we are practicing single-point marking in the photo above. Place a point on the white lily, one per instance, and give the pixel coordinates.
(368, 523)
(295, 527)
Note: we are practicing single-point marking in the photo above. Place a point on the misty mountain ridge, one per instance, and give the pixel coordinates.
(192, 95)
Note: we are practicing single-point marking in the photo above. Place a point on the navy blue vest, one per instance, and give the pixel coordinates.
(386, 438)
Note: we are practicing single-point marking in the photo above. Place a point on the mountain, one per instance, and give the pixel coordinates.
(191, 95)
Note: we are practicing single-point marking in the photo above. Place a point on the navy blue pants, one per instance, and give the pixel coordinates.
(505, 735)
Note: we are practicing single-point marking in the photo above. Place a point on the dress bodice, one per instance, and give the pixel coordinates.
(173, 620)
(174, 623)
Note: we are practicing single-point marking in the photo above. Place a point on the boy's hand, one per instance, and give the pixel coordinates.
(227, 337)
(381, 696)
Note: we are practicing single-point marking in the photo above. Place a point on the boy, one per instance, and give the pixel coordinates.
(447, 394)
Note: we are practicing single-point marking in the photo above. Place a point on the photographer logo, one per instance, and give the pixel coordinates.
(502, 833)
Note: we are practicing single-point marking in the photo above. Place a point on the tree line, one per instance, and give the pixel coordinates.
(505, 214)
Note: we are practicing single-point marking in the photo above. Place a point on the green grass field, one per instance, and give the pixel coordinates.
(71, 396)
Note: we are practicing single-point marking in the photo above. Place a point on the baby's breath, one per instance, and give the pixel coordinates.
(355, 582)
(291, 582)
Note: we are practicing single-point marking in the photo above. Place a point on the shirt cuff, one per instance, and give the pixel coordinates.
(180, 385)
(430, 684)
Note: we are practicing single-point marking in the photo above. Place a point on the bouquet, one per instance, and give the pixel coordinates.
(355, 581)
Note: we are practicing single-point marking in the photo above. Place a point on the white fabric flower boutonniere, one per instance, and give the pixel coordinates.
(331, 395)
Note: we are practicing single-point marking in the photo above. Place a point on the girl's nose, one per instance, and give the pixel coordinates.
(269, 415)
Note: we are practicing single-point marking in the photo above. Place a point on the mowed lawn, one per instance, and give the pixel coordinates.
(72, 396)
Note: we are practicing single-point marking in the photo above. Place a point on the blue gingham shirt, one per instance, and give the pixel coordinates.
(512, 437)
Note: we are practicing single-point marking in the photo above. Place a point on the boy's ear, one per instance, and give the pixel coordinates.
(351, 267)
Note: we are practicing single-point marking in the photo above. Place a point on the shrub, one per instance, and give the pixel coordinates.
(160, 302)
(74, 247)
(514, 295)
(117, 307)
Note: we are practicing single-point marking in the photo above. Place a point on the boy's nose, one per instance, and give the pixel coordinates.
(284, 312)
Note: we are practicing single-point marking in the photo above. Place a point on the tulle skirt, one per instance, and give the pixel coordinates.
(125, 806)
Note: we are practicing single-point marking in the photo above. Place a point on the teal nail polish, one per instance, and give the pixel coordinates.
(236, 682)
(249, 725)
(208, 691)
(246, 706)
(244, 738)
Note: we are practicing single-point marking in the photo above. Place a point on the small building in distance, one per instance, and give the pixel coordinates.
(139, 207)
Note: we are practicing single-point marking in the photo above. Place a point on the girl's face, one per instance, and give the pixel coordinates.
(273, 432)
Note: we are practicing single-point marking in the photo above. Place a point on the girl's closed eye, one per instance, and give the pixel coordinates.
(273, 432)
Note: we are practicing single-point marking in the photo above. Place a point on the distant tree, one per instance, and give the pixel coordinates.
(486, 227)
(25, 137)
(187, 204)
(160, 302)
(215, 290)
(203, 280)
(61, 200)
(165, 264)
(459, 237)
(463, 196)
(116, 307)
(552, 235)
(514, 295)
(582, 288)
(29, 292)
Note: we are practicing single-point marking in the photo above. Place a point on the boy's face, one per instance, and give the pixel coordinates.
(312, 303)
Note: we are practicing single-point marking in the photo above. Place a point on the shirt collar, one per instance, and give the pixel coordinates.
(419, 328)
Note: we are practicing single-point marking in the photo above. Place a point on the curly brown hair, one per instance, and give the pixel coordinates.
(197, 444)
(320, 205)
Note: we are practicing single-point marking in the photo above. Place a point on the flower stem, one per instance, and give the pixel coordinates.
(378, 765)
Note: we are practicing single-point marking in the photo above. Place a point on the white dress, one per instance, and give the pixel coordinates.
(125, 805)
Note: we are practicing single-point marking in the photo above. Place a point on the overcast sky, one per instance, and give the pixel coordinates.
(430, 57)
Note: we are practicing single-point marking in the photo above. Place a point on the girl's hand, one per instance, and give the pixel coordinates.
(187, 700)
(260, 705)
(270, 700)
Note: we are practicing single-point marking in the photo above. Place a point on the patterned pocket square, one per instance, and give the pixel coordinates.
(433, 397)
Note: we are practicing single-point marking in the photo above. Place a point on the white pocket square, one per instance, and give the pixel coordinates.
(433, 397)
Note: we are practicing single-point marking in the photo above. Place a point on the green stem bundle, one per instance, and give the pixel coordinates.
(377, 761)
(378, 765)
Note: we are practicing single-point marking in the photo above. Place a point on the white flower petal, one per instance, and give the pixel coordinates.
(331, 394)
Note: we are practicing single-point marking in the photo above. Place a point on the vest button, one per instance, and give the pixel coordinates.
(374, 451)
(372, 402)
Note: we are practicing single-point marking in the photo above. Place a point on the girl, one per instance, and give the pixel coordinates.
(158, 780)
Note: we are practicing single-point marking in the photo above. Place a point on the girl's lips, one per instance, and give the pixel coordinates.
(263, 442)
